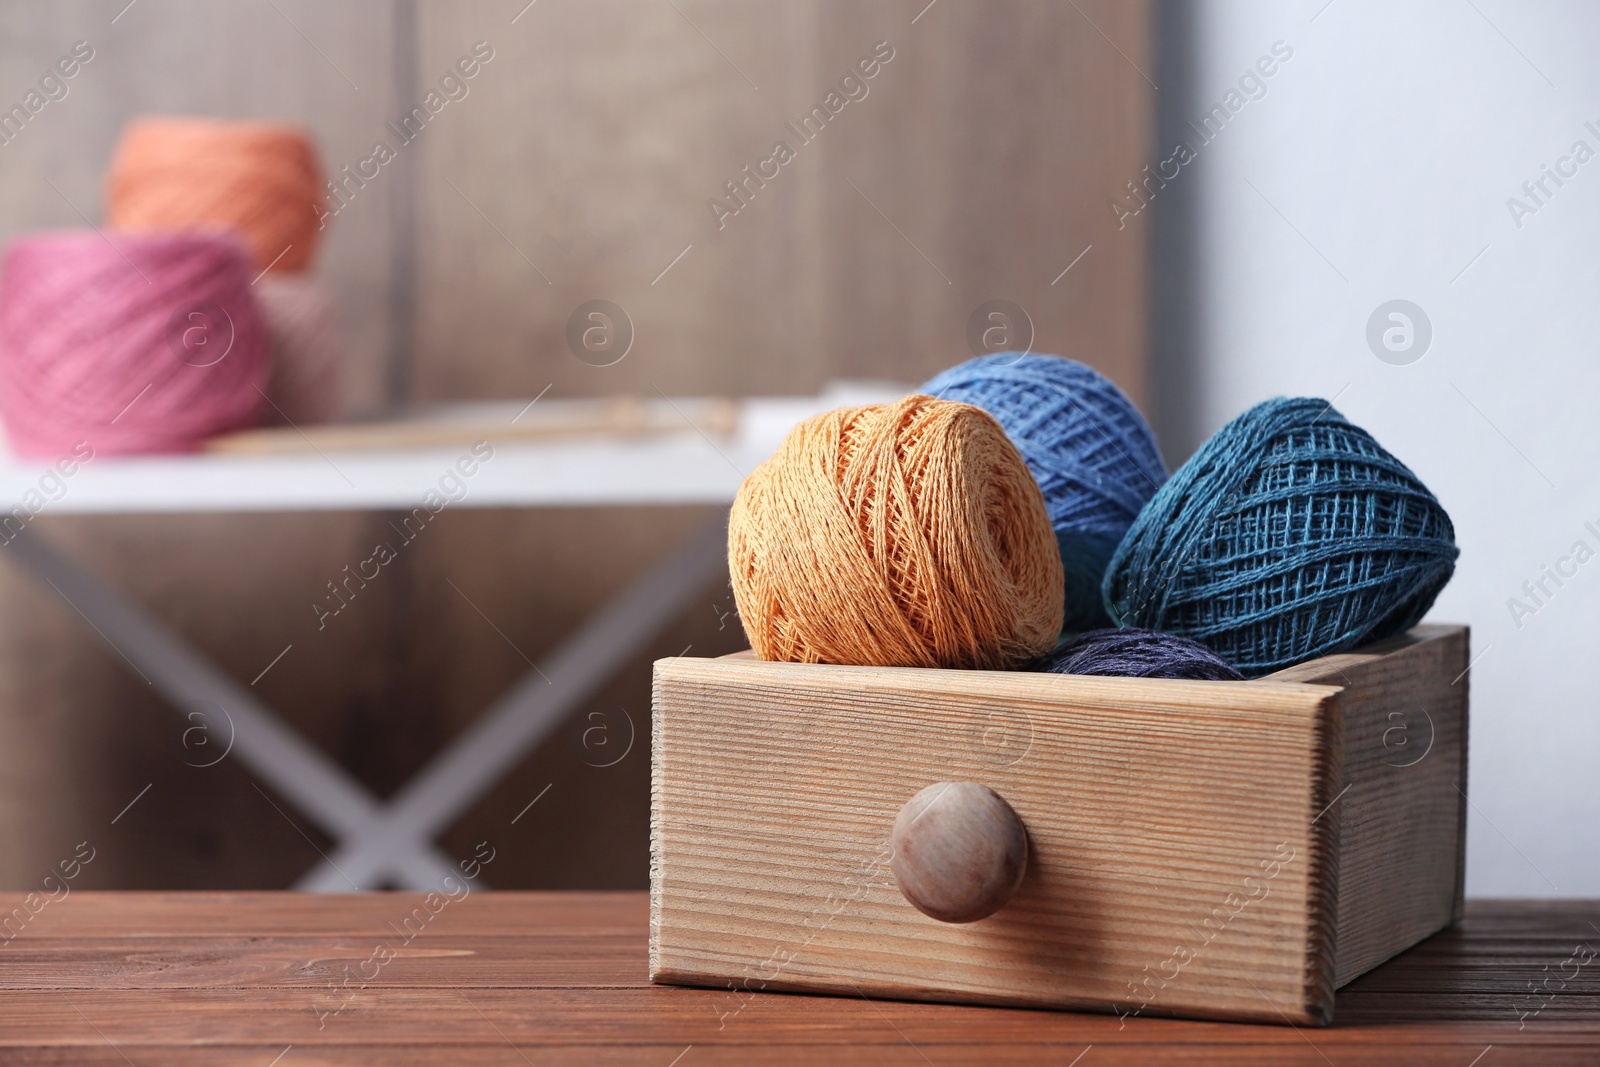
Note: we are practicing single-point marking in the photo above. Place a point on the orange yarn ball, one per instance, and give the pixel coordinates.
(259, 178)
(907, 534)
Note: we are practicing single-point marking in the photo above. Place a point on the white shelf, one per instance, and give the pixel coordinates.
(580, 470)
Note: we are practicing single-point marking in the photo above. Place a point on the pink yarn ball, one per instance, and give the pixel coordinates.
(307, 348)
(147, 343)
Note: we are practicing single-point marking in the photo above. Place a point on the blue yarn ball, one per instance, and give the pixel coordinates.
(1291, 534)
(1088, 447)
(1130, 653)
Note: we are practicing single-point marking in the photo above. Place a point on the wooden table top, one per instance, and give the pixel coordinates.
(285, 980)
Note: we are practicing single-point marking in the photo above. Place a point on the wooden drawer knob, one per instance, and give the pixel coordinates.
(959, 851)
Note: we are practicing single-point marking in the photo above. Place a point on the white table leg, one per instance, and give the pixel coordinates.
(294, 767)
(524, 717)
(385, 843)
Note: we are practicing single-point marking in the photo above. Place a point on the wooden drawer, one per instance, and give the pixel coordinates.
(1226, 850)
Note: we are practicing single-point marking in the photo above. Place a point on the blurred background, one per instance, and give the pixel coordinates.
(1212, 203)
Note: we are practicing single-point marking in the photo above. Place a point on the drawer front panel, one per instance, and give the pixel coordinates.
(1179, 857)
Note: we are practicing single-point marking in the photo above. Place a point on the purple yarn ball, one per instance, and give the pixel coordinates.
(1130, 653)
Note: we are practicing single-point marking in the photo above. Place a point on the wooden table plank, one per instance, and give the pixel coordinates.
(102, 914)
(552, 961)
(559, 978)
(1142, 1055)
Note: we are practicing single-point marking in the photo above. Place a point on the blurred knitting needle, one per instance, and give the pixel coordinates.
(463, 424)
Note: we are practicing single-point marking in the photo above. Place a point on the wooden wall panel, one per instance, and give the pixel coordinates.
(81, 734)
(591, 143)
(578, 166)
(587, 150)
(992, 141)
(1001, 133)
(536, 579)
(287, 60)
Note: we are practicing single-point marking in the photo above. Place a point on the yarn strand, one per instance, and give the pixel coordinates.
(102, 340)
(1290, 534)
(1091, 451)
(261, 179)
(1130, 653)
(907, 534)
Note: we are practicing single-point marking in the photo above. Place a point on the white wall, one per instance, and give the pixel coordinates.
(1391, 141)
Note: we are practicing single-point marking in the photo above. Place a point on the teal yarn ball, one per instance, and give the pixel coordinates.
(1088, 447)
(1291, 534)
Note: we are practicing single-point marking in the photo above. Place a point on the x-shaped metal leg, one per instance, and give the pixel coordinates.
(498, 740)
(381, 843)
